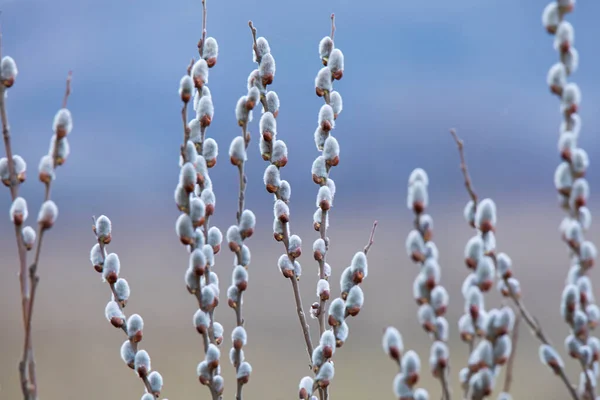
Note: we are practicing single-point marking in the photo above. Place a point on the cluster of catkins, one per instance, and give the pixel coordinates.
(578, 306)
(196, 201)
(351, 297)
(429, 294)
(110, 266)
(488, 332)
(14, 172)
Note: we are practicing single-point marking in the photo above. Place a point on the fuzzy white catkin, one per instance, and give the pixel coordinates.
(355, 297)
(326, 115)
(142, 360)
(186, 86)
(184, 227)
(18, 208)
(253, 96)
(565, 33)
(557, 75)
(401, 389)
(48, 213)
(28, 236)
(237, 150)
(63, 121)
(326, 372)
(272, 102)
(551, 16)
(242, 114)
(421, 394)
(111, 265)
(267, 65)
(324, 196)
(215, 237)
(323, 80)
(411, 363)
(336, 61)
(335, 100)
(156, 381)
(280, 151)
(211, 48)
(244, 370)
(96, 255)
(571, 95)
(127, 352)
(239, 334)
(306, 385)
(112, 310)
(268, 123)
(122, 289)
(319, 167)
(359, 263)
(337, 309)
(103, 226)
(247, 220)
(8, 68)
(200, 71)
(19, 164)
(205, 107)
(325, 47)
(135, 324)
(46, 167)
(262, 47)
(331, 148)
(271, 176)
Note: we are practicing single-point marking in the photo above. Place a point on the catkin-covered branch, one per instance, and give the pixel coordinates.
(429, 294)
(196, 201)
(109, 265)
(13, 171)
(578, 308)
(491, 327)
(274, 151)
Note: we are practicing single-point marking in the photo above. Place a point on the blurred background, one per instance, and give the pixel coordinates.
(413, 70)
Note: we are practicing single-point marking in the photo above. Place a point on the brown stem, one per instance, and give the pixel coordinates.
(302, 317)
(511, 359)
(371, 238)
(463, 167)
(332, 25)
(203, 40)
(254, 46)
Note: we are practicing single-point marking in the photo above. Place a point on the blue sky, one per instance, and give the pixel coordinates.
(413, 69)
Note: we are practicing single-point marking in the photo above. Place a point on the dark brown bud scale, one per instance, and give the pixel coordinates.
(334, 161)
(185, 97)
(267, 79)
(211, 62)
(337, 75)
(8, 82)
(326, 125)
(205, 121)
(112, 277)
(117, 322)
(271, 188)
(137, 337)
(267, 136)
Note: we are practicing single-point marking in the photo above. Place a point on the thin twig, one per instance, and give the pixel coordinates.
(332, 25)
(527, 316)
(508, 377)
(371, 238)
(203, 40)
(263, 99)
(463, 167)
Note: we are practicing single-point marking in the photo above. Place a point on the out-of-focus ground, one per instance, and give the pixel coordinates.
(77, 351)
